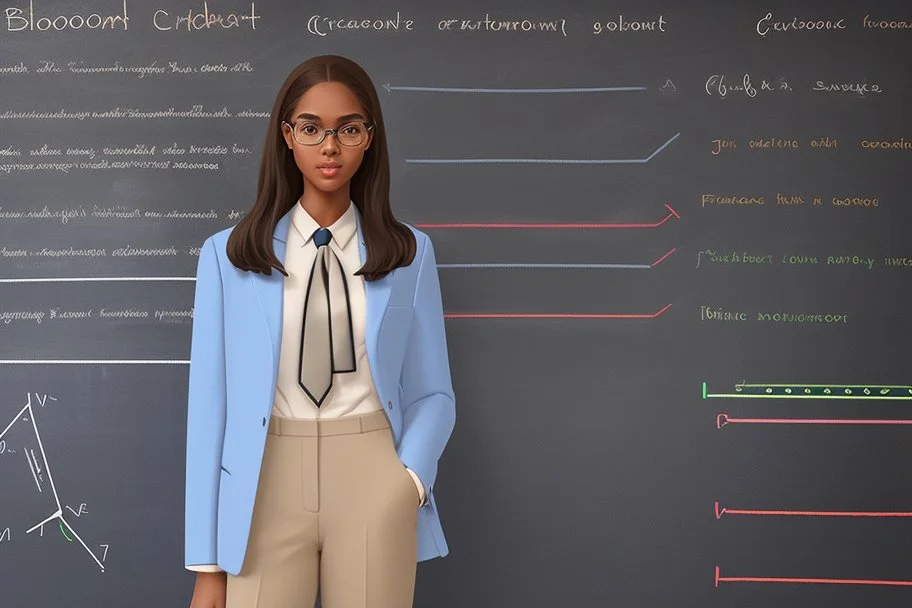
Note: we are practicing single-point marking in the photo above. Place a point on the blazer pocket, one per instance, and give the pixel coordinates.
(226, 470)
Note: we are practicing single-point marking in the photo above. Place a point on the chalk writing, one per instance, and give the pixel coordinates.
(885, 144)
(767, 24)
(859, 88)
(32, 20)
(720, 145)
(120, 113)
(885, 24)
(60, 314)
(622, 25)
(802, 317)
(82, 510)
(730, 199)
(320, 25)
(787, 200)
(717, 314)
(718, 86)
(493, 25)
(732, 258)
(174, 316)
(100, 252)
(897, 262)
(195, 20)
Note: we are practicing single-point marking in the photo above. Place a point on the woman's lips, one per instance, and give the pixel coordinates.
(329, 171)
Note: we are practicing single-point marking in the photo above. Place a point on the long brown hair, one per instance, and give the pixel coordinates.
(389, 243)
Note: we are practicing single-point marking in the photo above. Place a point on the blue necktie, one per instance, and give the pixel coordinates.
(327, 341)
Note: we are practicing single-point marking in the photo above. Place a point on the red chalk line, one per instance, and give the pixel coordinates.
(826, 581)
(671, 213)
(725, 419)
(720, 511)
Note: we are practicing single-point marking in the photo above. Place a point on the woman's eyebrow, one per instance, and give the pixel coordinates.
(340, 119)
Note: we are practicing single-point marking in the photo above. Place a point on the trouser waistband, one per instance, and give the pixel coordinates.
(346, 425)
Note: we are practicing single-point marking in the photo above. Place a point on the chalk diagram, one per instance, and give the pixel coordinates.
(646, 156)
(22, 457)
(821, 392)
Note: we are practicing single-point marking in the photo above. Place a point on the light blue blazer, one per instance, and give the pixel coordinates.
(234, 357)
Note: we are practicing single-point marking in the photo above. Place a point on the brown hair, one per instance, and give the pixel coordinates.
(389, 243)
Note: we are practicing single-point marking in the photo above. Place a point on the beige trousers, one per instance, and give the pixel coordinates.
(336, 510)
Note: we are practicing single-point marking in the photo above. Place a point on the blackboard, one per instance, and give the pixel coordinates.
(674, 255)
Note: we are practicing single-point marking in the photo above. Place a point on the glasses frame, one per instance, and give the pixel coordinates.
(326, 132)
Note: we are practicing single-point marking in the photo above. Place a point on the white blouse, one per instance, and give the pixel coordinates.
(351, 393)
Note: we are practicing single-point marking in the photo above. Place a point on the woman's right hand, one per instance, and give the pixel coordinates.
(209, 590)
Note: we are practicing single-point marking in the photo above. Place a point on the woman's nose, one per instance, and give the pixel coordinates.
(329, 142)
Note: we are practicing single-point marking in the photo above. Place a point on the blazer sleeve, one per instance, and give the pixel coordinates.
(206, 407)
(428, 403)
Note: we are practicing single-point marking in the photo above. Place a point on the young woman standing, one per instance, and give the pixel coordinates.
(320, 398)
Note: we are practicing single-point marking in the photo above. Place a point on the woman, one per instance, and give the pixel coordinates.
(320, 398)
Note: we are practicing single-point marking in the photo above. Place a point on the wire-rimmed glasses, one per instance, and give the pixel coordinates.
(308, 133)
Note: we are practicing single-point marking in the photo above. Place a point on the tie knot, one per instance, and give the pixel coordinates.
(321, 236)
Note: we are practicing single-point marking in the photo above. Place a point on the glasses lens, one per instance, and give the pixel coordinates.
(352, 134)
(308, 133)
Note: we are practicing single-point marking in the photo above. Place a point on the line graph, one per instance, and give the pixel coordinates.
(41, 474)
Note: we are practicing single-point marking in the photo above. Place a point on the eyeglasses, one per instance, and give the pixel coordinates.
(309, 133)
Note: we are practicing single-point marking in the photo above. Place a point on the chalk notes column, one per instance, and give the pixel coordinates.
(804, 262)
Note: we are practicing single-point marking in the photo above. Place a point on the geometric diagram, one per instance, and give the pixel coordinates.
(23, 431)
(811, 581)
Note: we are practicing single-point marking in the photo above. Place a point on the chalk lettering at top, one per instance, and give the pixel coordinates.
(37, 19)
(17, 20)
(767, 24)
(204, 19)
(629, 25)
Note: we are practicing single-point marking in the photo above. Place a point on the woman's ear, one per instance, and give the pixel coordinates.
(286, 135)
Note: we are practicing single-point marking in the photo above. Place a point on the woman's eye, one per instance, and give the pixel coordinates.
(309, 129)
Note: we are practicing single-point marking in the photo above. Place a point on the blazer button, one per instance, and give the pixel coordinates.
(389, 405)
(264, 420)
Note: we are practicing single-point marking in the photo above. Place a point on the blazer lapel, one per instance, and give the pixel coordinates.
(270, 293)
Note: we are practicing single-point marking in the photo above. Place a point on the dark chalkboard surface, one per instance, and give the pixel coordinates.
(674, 251)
